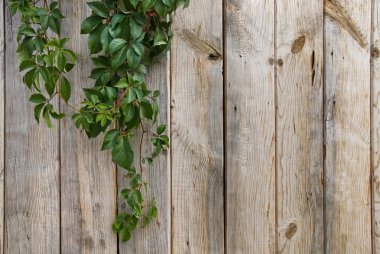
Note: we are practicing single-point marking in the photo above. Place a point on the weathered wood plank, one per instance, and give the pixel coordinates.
(250, 127)
(197, 129)
(31, 166)
(376, 125)
(88, 176)
(300, 126)
(2, 123)
(347, 116)
(155, 238)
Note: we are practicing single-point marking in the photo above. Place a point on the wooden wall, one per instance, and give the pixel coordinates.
(274, 119)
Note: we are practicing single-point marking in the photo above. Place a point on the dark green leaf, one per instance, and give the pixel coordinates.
(90, 23)
(161, 129)
(122, 153)
(37, 98)
(133, 58)
(116, 44)
(119, 58)
(125, 235)
(37, 111)
(94, 40)
(65, 89)
(159, 38)
(110, 139)
(99, 9)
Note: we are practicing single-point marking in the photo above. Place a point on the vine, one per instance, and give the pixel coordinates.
(124, 38)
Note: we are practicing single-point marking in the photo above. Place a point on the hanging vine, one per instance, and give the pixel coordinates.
(124, 38)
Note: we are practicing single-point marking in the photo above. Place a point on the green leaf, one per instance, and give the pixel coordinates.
(133, 58)
(61, 62)
(94, 44)
(146, 110)
(125, 235)
(65, 89)
(116, 44)
(13, 8)
(110, 139)
(47, 119)
(90, 23)
(122, 83)
(105, 39)
(134, 198)
(134, 3)
(99, 9)
(152, 213)
(161, 129)
(122, 153)
(37, 111)
(148, 4)
(54, 25)
(37, 98)
(159, 38)
(27, 64)
(119, 58)
(136, 29)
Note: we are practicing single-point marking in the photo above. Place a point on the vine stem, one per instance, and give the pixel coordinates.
(141, 146)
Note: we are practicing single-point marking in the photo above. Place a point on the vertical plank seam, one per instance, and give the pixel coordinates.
(171, 154)
(324, 119)
(371, 98)
(4, 103)
(59, 169)
(275, 126)
(224, 39)
(116, 212)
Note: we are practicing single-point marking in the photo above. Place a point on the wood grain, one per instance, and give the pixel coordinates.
(31, 166)
(300, 126)
(197, 129)
(347, 120)
(88, 176)
(2, 123)
(155, 238)
(250, 127)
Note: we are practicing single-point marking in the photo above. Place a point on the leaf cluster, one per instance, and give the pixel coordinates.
(42, 55)
(125, 37)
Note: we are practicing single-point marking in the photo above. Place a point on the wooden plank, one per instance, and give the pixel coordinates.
(300, 126)
(88, 176)
(31, 166)
(376, 125)
(347, 109)
(2, 123)
(197, 129)
(250, 127)
(155, 238)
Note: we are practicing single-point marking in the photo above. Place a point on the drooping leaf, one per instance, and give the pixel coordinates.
(37, 98)
(90, 23)
(122, 153)
(110, 139)
(65, 89)
(99, 8)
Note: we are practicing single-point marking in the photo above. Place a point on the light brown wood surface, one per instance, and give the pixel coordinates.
(32, 219)
(197, 129)
(299, 126)
(88, 176)
(347, 120)
(2, 123)
(250, 127)
(273, 133)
